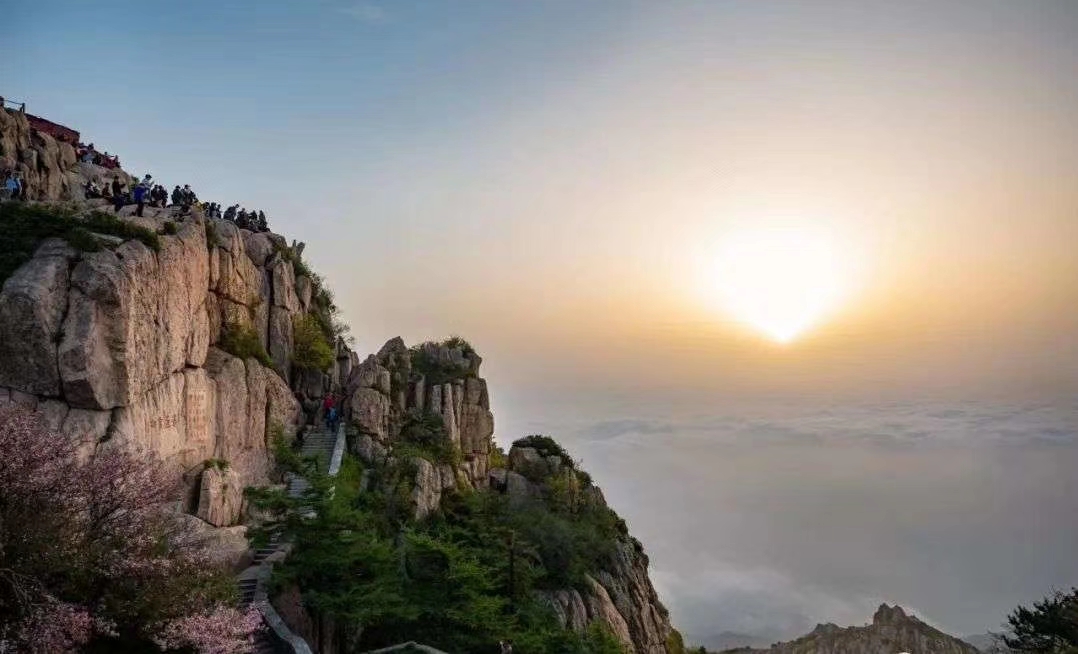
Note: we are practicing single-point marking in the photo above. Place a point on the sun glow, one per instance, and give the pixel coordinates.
(781, 281)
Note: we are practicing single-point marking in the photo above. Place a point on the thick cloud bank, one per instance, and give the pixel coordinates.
(769, 521)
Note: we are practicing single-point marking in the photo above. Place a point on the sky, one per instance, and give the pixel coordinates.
(556, 181)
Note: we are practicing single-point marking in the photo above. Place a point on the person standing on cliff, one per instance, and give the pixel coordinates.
(10, 187)
(117, 193)
(140, 197)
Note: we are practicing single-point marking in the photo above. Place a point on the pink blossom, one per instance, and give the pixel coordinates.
(224, 630)
(98, 534)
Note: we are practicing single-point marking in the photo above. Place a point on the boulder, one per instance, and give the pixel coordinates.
(370, 412)
(32, 306)
(52, 414)
(369, 450)
(476, 429)
(220, 498)
(227, 546)
(260, 311)
(528, 462)
(238, 279)
(448, 477)
(259, 247)
(519, 489)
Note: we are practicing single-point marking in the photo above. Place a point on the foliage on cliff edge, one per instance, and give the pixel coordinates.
(464, 579)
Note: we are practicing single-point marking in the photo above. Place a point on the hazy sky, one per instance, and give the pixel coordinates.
(554, 180)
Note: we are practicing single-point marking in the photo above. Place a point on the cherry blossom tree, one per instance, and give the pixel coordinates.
(91, 549)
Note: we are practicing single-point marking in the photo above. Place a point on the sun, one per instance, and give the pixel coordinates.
(781, 281)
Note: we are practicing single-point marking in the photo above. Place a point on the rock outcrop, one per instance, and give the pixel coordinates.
(121, 348)
(126, 347)
(620, 595)
(439, 379)
(892, 630)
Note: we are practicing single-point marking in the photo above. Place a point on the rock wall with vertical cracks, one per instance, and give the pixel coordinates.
(121, 348)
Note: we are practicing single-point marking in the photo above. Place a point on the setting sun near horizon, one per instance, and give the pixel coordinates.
(780, 281)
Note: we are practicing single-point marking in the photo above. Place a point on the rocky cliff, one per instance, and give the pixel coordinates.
(891, 631)
(46, 165)
(120, 347)
(443, 379)
(184, 347)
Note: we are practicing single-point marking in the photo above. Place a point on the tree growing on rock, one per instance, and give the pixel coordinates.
(90, 554)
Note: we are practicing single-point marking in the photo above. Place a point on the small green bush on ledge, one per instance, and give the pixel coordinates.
(311, 349)
(25, 226)
(242, 341)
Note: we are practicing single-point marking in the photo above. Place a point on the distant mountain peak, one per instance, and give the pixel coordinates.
(892, 630)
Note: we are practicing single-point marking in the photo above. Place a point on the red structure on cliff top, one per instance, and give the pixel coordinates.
(55, 130)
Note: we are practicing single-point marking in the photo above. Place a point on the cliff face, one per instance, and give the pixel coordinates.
(118, 348)
(443, 379)
(124, 347)
(620, 595)
(439, 379)
(892, 630)
(47, 165)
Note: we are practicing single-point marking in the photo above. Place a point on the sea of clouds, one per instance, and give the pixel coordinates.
(767, 519)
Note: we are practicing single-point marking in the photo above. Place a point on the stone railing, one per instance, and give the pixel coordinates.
(285, 640)
(338, 452)
(406, 648)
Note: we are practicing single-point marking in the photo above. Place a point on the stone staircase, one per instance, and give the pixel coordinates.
(320, 444)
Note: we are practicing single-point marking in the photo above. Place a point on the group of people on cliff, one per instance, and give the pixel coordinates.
(254, 221)
(142, 193)
(87, 154)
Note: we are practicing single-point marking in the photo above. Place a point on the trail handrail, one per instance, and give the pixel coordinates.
(4, 102)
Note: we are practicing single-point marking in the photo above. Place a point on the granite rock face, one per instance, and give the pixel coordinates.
(119, 348)
(399, 383)
(46, 165)
(34, 302)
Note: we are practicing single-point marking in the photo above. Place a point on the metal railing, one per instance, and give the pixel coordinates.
(4, 102)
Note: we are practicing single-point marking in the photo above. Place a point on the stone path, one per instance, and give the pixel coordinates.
(318, 443)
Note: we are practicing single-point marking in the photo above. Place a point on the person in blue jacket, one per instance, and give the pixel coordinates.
(140, 193)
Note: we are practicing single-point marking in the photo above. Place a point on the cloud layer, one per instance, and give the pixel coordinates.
(771, 519)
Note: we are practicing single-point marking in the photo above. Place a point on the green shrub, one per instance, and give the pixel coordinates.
(220, 464)
(546, 446)
(242, 341)
(170, 228)
(211, 235)
(460, 580)
(25, 226)
(423, 434)
(311, 350)
(498, 458)
(107, 223)
(440, 372)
